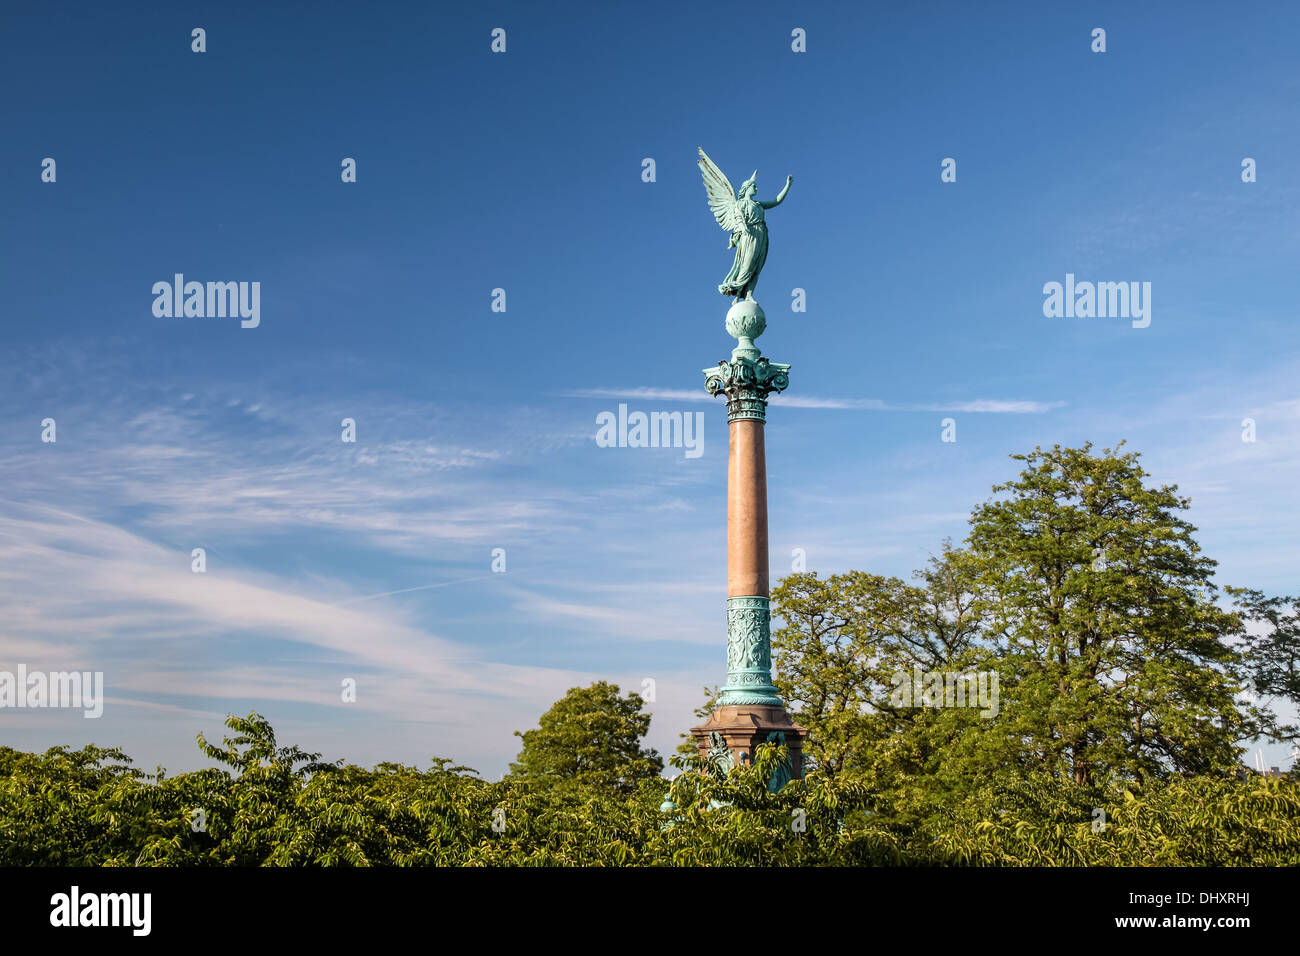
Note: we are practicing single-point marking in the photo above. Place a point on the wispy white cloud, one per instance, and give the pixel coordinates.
(82, 594)
(983, 405)
(96, 532)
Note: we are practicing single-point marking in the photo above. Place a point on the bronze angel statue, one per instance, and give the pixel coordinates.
(742, 216)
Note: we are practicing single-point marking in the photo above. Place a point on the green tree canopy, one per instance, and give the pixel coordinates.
(1079, 586)
(845, 644)
(1272, 645)
(591, 737)
(1114, 656)
(88, 808)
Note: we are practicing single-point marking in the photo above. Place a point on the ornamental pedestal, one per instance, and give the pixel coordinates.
(744, 726)
(749, 710)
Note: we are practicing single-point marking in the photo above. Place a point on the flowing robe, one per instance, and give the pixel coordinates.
(751, 252)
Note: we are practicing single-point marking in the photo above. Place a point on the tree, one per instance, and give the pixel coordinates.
(844, 640)
(591, 737)
(832, 660)
(1113, 654)
(1272, 652)
(89, 808)
(1084, 593)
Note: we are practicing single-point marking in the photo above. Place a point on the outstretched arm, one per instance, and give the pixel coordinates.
(780, 197)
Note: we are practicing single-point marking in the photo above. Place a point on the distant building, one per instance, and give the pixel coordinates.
(1245, 773)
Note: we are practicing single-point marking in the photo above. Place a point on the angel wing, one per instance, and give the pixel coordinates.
(722, 195)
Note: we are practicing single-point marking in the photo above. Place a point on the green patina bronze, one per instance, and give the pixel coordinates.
(746, 382)
(743, 216)
(749, 653)
(720, 760)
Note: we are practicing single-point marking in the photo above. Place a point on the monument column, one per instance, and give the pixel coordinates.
(749, 711)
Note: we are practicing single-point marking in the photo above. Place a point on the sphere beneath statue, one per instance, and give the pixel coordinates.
(745, 320)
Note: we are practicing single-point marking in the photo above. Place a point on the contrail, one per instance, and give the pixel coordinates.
(422, 587)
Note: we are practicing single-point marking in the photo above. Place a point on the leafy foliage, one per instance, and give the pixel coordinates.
(89, 808)
(590, 738)
(1079, 588)
(1273, 651)
(1114, 656)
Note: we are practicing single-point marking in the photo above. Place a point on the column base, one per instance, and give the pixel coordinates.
(745, 726)
(750, 695)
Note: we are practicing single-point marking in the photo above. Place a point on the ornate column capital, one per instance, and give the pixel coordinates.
(746, 382)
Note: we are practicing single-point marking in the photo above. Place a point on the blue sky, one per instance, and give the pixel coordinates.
(475, 428)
